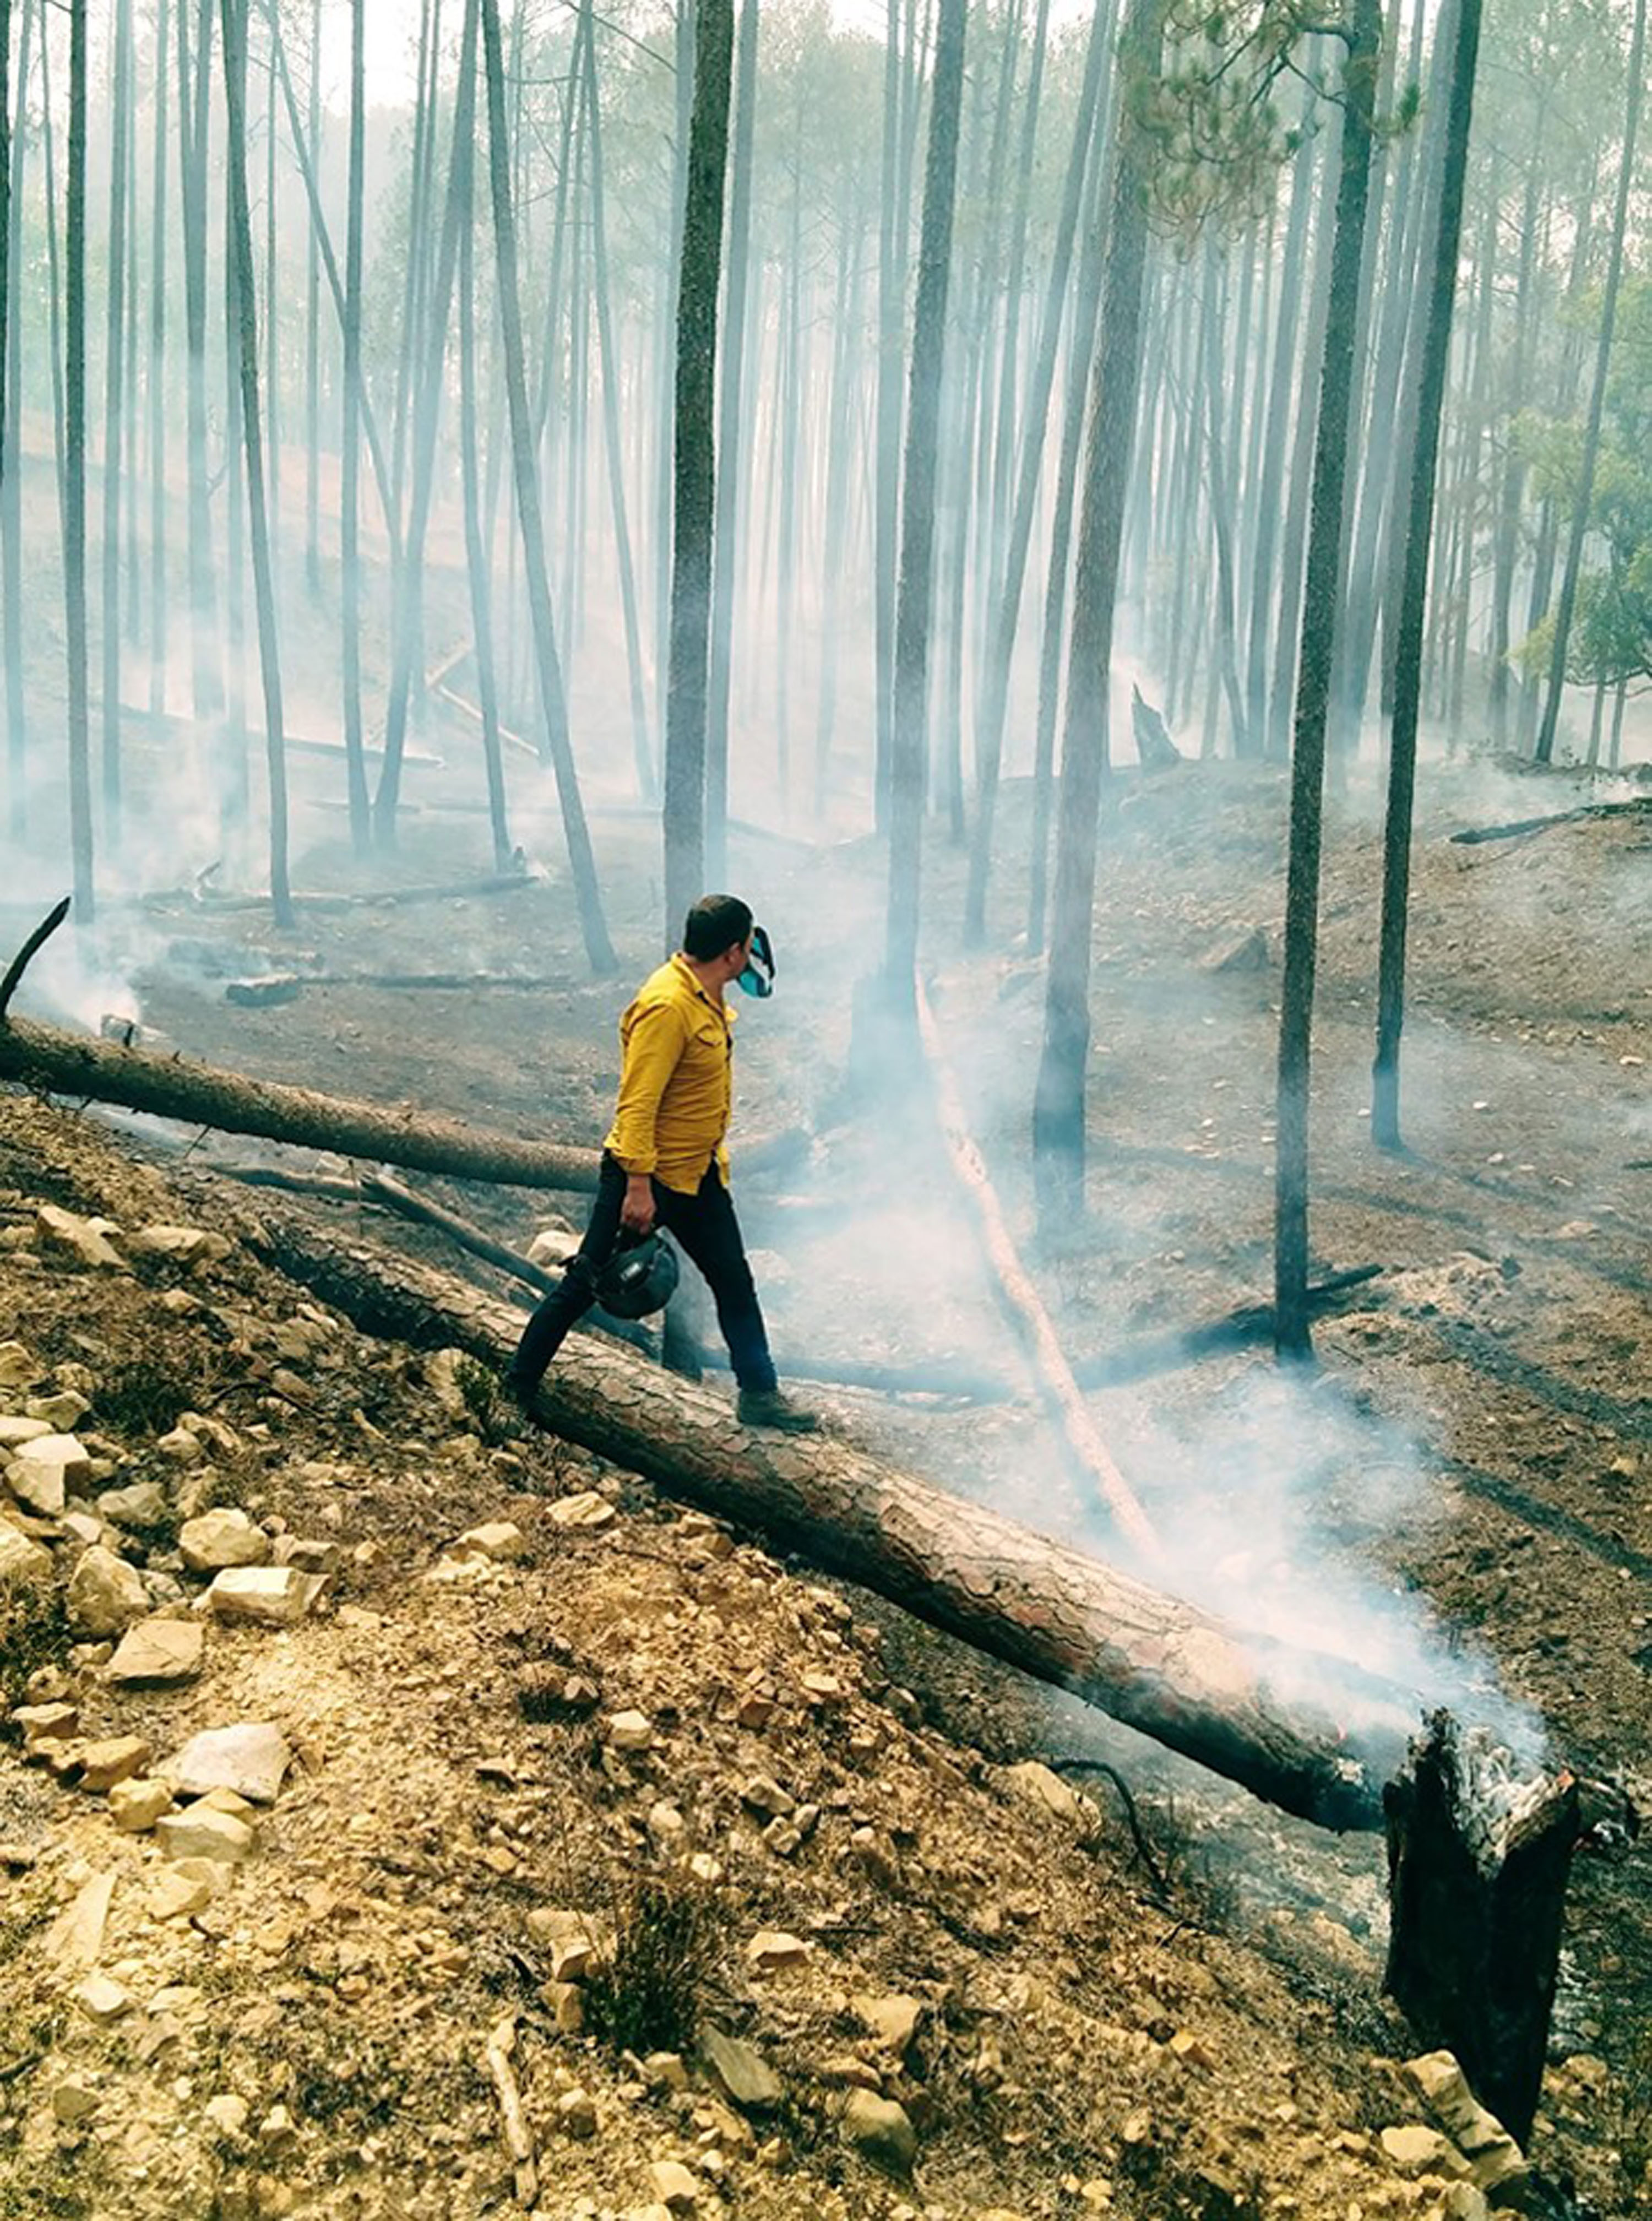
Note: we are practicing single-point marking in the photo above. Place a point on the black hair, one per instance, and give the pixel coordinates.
(715, 923)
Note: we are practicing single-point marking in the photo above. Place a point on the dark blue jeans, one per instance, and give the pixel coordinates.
(705, 1226)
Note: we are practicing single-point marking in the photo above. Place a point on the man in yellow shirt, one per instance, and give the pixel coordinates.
(665, 1161)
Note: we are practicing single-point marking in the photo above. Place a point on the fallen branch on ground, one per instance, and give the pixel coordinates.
(517, 2141)
(1202, 1687)
(1023, 1303)
(1477, 834)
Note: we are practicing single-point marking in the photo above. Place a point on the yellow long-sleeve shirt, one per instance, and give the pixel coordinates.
(676, 1089)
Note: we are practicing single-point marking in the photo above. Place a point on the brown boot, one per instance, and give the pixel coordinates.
(768, 1407)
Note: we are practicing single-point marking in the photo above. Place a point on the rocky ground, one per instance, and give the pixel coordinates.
(404, 1818)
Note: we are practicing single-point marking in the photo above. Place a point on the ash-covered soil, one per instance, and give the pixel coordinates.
(1460, 1497)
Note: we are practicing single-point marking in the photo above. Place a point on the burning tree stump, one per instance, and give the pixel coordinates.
(1478, 1863)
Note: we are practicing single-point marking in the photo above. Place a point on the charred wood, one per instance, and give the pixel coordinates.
(1174, 1672)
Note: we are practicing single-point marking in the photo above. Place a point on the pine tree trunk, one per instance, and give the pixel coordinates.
(1006, 615)
(1408, 670)
(834, 554)
(11, 516)
(695, 466)
(728, 452)
(1222, 501)
(907, 764)
(1583, 500)
(1058, 1101)
(113, 362)
(553, 707)
(481, 584)
(350, 444)
(74, 482)
(206, 664)
(1319, 617)
(1276, 444)
(155, 391)
(891, 317)
(642, 753)
(245, 346)
(313, 335)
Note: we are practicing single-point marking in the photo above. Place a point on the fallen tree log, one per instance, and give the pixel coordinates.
(1476, 835)
(56, 1062)
(1172, 1671)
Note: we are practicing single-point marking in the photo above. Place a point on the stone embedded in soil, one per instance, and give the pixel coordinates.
(15, 1431)
(74, 2099)
(771, 1949)
(105, 1594)
(1416, 2149)
(102, 1999)
(223, 1538)
(52, 1722)
(182, 1890)
(198, 1833)
(880, 2130)
(18, 1369)
(134, 1806)
(631, 1731)
(63, 1410)
(892, 2020)
(588, 1511)
(142, 1504)
(762, 1793)
(186, 1246)
(181, 1445)
(673, 2184)
(749, 2080)
(117, 1758)
(263, 1596)
(157, 1652)
(250, 1758)
(576, 2113)
(1494, 2157)
(75, 1936)
(23, 1563)
(1043, 1789)
(42, 1472)
(501, 1541)
(85, 1239)
(227, 2114)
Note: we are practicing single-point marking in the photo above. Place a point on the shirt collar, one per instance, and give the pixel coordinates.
(684, 971)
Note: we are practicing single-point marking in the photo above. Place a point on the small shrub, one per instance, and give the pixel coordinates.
(647, 1998)
(35, 1632)
(143, 1398)
(494, 1415)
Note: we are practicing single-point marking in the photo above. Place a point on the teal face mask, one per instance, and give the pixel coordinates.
(758, 978)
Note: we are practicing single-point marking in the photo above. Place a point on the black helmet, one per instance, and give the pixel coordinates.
(638, 1279)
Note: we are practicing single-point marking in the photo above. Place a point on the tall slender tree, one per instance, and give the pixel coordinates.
(1585, 495)
(355, 759)
(244, 347)
(11, 524)
(1058, 1101)
(907, 764)
(74, 471)
(1363, 37)
(121, 103)
(553, 703)
(155, 390)
(694, 469)
(1408, 673)
(729, 427)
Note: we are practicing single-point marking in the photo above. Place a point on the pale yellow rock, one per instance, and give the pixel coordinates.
(74, 2099)
(772, 1949)
(42, 1472)
(17, 1368)
(588, 1511)
(221, 1538)
(197, 1834)
(1045, 1791)
(675, 2188)
(105, 1594)
(576, 2110)
(881, 2131)
(117, 1758)
(182, 1890)
(1416, 2149)
(102, 1999)
(86, 1239)
(134, 1806)
(630, 1731)
(24, 1563)
(157, 1653)
(263, 1596)
(500, 1542)
(894, 2020)
(75, 1936)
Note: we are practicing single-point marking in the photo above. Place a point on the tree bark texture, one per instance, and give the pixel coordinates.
(1313, 687)
(916, 595)
(1168, 1670)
